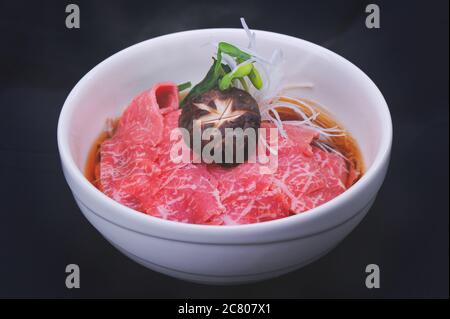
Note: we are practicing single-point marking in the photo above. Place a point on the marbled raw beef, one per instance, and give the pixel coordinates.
(136, 170)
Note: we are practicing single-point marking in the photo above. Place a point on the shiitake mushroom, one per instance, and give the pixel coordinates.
(221, 110)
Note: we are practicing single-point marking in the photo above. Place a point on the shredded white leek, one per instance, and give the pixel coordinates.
(272, 95)
(251, 35)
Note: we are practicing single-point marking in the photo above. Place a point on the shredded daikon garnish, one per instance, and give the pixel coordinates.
(271, 97)
(309, 120)
(251, 35)
(327, 148)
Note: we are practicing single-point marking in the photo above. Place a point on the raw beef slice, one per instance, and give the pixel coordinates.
(127, 168)
(136, 170)
(248, 196)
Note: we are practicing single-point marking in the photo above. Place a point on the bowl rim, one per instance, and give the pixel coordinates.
(380, 161)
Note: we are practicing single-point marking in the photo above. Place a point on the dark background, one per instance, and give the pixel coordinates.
(42, 230)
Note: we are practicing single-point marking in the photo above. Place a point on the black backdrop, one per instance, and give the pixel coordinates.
(42, 230)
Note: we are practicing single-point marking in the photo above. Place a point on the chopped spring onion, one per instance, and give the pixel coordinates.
(184, 86)
(233, 51)
(241, 57)
(239, 72)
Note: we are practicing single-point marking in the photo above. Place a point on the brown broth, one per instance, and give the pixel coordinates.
(346, 145)
(92, 167)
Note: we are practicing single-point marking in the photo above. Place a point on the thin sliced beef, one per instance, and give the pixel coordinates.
(137, 170)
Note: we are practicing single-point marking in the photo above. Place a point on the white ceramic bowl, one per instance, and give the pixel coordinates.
(224, 254)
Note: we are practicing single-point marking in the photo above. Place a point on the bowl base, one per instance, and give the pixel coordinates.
(219, 280)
